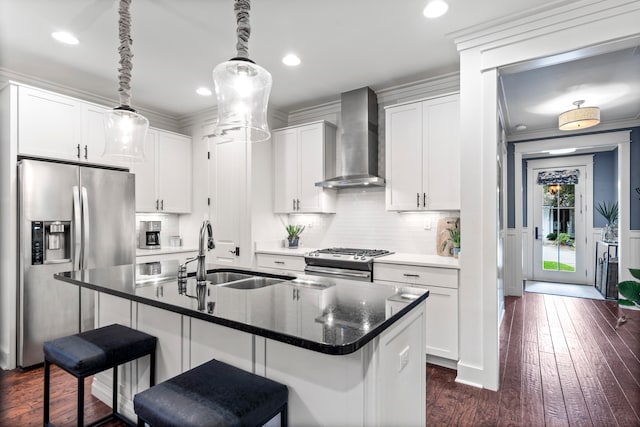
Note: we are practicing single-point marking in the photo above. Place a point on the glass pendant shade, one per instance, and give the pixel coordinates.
(242, 90)
(126, 132)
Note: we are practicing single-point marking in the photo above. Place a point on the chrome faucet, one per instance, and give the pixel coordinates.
(201, 270)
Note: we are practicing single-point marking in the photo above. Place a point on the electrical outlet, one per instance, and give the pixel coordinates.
(403, 359)
(427, 224)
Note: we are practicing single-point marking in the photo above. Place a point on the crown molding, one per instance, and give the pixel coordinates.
(156, 119)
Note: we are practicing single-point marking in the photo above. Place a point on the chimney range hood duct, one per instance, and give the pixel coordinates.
(358, 150)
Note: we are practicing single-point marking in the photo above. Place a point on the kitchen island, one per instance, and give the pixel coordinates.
(350, 352)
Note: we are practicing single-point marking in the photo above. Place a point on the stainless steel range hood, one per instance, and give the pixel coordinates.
(358, 150)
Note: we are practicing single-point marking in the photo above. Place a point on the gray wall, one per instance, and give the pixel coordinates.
(605, 170)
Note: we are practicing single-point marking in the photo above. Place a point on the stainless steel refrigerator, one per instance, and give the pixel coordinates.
(71, 218)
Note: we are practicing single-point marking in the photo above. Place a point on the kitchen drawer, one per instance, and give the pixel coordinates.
(415, 275)
(283, 262)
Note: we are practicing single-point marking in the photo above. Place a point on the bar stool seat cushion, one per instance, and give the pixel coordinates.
(212, 394)
(96, 350)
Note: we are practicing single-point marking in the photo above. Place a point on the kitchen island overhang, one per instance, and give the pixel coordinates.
(350, 352)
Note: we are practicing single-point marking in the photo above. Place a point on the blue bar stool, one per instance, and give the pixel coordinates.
(94, 351)
(213, 394)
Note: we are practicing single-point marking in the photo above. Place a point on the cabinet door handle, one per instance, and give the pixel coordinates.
(411, 275)
(297, 294)
(162, 204)
(418, 199)
(294, 204)
(293, 294)
(424, 200)
(78, 147)
(298, 204)
(278, 262)
(86, 156)
(157, 204)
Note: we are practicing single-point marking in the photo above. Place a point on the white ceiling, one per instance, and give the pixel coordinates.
(537, 96)
(343, 44)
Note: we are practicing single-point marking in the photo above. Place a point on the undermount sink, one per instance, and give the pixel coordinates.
(253, 283)
(222, 277)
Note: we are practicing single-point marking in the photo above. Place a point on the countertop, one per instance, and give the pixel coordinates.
(165, 250)
(419, 260)
(395, 258)
(332, 316)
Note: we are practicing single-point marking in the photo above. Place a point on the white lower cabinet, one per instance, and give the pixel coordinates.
(441, 306)
(291, 319)
(179, 256)
(283, 263)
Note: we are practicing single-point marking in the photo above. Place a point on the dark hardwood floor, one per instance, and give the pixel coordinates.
(562, 363)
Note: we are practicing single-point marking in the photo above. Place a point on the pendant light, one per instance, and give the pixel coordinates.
(242, 89)
(125, 129)
(579, 118)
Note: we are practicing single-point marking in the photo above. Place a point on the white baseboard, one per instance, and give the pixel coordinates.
(104, 393)
(470, 375)
(4, 358)
(441, 361)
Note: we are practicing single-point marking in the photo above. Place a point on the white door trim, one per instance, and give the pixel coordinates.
(560, 162)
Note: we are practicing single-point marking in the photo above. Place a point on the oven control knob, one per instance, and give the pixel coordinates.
(317, 253)
(363, 258)
(355, 257)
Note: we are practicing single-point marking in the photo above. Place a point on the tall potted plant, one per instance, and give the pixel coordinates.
(630, 291)
(609, 211)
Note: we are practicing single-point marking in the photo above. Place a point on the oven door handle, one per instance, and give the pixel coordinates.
(337, 272)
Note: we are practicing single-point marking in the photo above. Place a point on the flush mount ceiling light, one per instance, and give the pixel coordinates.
(561, 151)
(64, 37)
(125, 129)
(242, 89)
(204, 91)
(291, 60)
(435, 9)
(579, 118)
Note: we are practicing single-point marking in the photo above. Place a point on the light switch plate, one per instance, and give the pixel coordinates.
(427, 224)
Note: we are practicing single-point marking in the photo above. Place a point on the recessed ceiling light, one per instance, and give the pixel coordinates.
(435, 9)
(521, 127)
(204, 91)
(291, 60)
(562, 151)
(64, 37)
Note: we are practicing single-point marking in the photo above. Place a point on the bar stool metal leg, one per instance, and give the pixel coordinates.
(284, 422)
(152, 369)
(80, 402)
(47, 368)
(114, 407)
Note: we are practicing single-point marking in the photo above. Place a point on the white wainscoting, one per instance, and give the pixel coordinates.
(512, 264)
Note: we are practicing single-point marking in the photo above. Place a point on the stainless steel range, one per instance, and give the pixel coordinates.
(348, 263)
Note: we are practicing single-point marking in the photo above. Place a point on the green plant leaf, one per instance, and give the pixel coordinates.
(635, 272)
(625, 302)
(630, 290)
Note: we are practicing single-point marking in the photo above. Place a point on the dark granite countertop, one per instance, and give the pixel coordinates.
(332, 316)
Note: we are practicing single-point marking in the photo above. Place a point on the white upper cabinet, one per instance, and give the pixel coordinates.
(423, 155)
(49, 125)
(163, 180)
(93, 137)
(304, 155)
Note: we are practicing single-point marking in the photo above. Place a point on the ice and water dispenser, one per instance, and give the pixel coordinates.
(50, 242)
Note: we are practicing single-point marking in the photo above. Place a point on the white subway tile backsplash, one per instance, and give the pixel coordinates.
(361, 221)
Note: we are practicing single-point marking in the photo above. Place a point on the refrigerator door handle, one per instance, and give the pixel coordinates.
(86, 227)
(77, 228)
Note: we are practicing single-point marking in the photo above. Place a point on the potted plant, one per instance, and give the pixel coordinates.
(609, 211)
(630, 291)
(293, 234)
(454, 239)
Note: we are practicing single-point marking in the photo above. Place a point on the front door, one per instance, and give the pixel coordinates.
(559, 232)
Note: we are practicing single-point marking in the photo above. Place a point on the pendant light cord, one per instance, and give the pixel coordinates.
(124, 72)
(243, 31)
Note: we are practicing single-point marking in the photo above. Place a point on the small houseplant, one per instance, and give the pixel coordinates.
(293, 234)
(609, 211)
(454, 239)
(630, 290)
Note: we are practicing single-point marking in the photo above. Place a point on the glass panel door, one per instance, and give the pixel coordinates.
(558, 228)
(559, 231)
